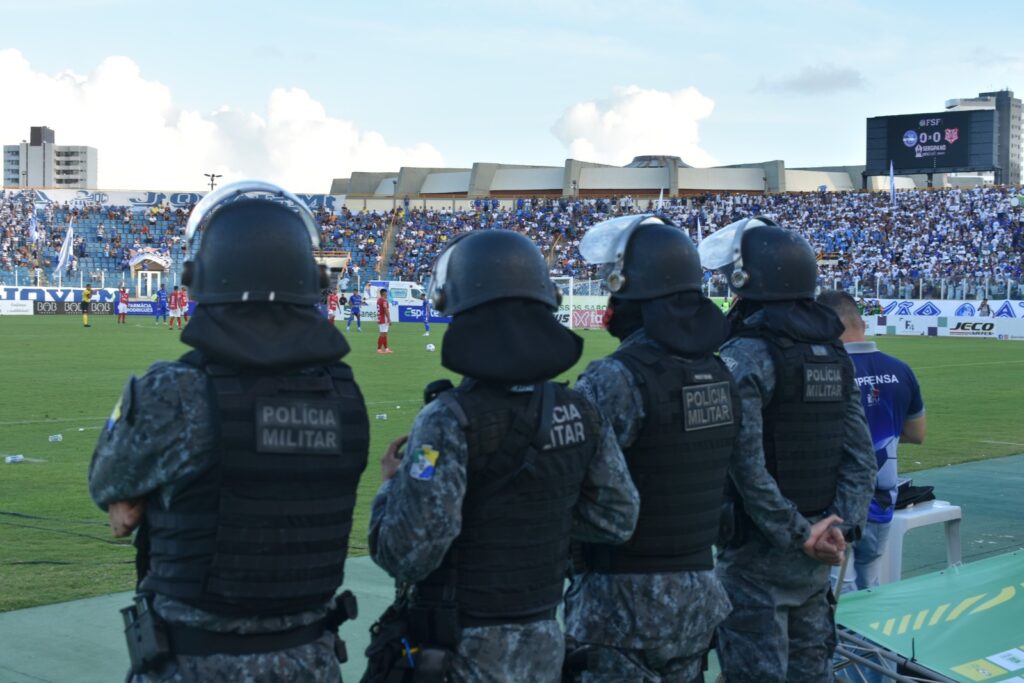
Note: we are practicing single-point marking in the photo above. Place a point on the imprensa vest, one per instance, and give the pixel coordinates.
(678, 462)
(265, 529)
(508, 563)
(804, 423)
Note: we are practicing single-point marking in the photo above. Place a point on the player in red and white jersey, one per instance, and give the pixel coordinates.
(122, 305)
(183, 300)
(383, 321)
(332, 306)
(175, 304)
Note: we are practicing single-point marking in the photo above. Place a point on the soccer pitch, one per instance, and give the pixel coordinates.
(61, 378)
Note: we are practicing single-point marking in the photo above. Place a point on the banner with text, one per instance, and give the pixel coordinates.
(943, 326)
(951, 308)
(145, 199)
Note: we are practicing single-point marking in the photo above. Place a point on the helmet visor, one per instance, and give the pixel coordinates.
(439, 276)
(232, 191)
(722, 248)
(606, 241)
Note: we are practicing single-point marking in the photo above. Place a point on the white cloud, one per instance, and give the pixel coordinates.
(146, 142)
(636, 121)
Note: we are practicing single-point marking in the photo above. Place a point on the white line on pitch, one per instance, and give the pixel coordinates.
(55, 419)
(964, 365)
(1004, 443)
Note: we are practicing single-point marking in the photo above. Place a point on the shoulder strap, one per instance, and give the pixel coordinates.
(529, 429)
(451, 402)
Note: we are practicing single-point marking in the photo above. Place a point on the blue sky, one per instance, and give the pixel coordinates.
(218, 84)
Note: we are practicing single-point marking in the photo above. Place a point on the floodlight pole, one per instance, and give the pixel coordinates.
(213, 179)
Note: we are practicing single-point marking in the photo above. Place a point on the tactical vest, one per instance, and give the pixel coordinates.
(508, 563)
(678, 462)
(804, 424)
(265, 529)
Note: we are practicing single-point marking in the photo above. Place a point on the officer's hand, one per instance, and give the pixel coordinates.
(392, 459)
(125, 515)
(825, 542)
(830, 548)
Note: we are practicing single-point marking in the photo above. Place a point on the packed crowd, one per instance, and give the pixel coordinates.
(967, 238)
(942, 243)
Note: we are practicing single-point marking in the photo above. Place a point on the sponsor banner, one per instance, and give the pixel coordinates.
(414, 314)
(71, 308)
(588, 318)
(144, 199)
(951, 308)
(586, 312)
(942, 326)
(149, 308)
(108, 294)
(16, 308)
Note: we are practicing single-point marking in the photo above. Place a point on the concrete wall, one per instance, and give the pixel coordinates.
(386, 187)
(573, 172)
(365, 183)
(527, 179)
(451, 182)
(811, 181)
(613, 178)
(412, 180)
(737, 179)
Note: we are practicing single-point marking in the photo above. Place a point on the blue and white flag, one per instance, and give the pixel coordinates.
(892, 184)
(661, 198)
(33, 226)
(699, 234)
(65, 249)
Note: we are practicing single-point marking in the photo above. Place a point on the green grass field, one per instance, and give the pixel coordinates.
(59, 377)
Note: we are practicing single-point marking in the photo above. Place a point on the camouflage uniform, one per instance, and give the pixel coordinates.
(654, 624)
(160, 434)
(414, 522)
(782, 627)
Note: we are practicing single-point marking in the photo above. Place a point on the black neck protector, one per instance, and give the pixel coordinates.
(264, 335)
(509, 341)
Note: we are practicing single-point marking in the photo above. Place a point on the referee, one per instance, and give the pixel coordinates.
(86, 302)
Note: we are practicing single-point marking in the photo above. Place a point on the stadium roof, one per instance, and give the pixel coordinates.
(652, 175)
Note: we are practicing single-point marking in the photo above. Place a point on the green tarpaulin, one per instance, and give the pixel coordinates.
(966, 623)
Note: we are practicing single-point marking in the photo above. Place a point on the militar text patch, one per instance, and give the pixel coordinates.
(298, 426)
(706, 406)
(823, 382)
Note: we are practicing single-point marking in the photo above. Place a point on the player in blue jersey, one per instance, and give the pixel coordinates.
(426, 317)
(354, 303)
(160, 309)
(894, 409)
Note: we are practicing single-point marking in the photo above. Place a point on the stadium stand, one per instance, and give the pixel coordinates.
(953, 243)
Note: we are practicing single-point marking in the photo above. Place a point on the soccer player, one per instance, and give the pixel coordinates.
(354, 302)
(183, 300)
(332, 306)
(160, 309)
(122, 305)
(86, 301)
(383, 321)
(426, 316)
(175, 301)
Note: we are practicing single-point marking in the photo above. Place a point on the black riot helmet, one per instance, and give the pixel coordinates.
(646, 257)
(254, 248)
(762, 261)
(487, 265)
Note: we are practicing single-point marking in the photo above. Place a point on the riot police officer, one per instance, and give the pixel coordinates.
(498, 474)
(240, 460)
(805, 473)
(650, 606)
